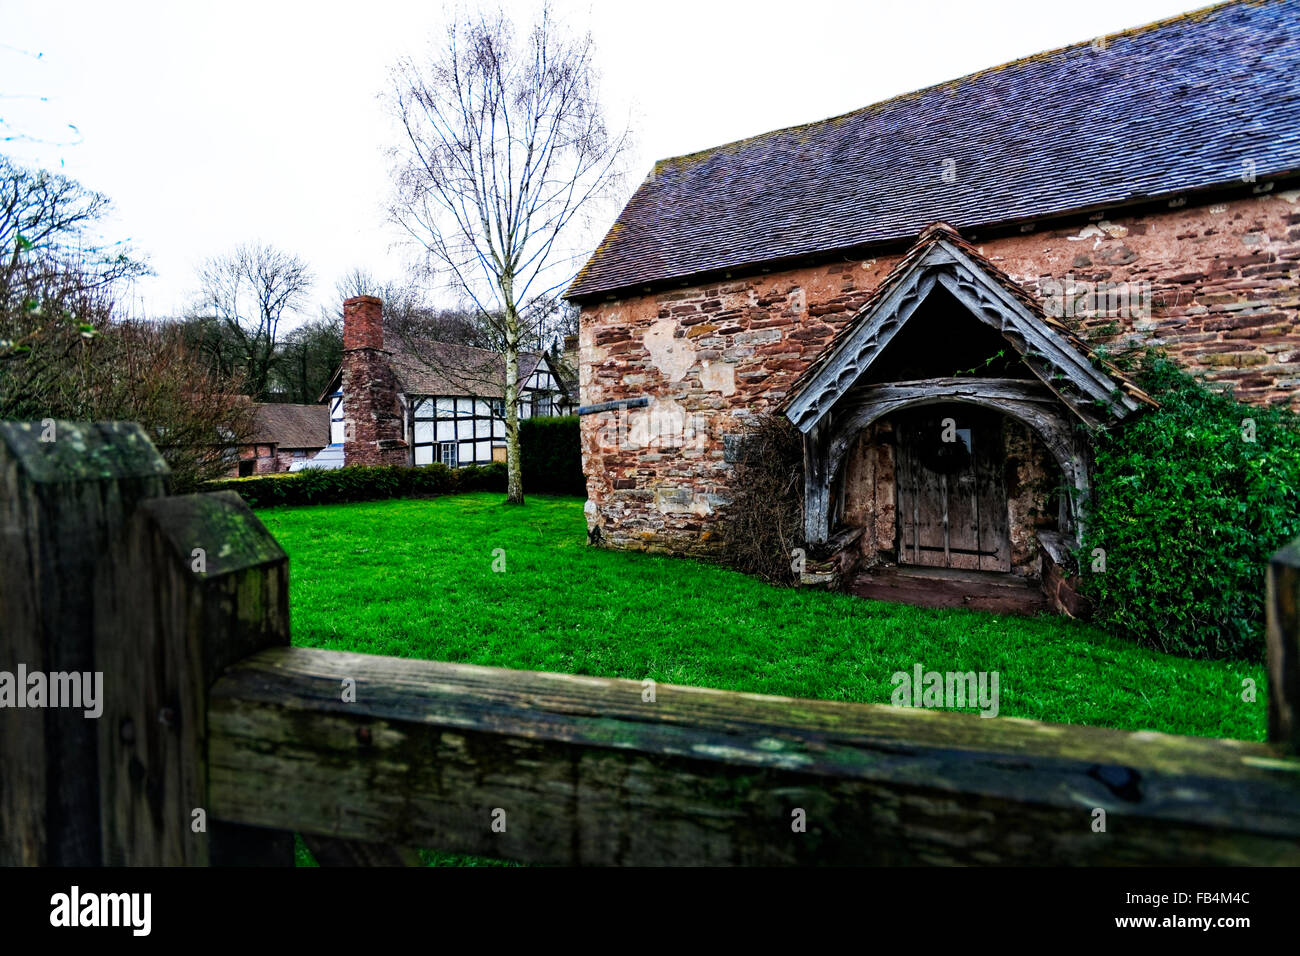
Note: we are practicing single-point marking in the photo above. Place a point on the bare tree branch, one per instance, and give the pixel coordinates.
(250, 290)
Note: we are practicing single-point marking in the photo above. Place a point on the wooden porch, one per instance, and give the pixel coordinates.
(952, 587)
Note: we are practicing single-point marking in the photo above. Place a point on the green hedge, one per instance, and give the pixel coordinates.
(1188, 512)
(314, 486)
(552, 464)
(551, 454)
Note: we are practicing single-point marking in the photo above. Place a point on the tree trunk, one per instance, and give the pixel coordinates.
(514, 467)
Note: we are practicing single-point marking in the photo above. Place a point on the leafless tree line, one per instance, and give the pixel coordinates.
(504, 156)
(63, 352)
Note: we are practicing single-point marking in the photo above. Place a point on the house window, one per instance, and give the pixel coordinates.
(499, 407)
(544, 404)
(447, 453)
(299, 454)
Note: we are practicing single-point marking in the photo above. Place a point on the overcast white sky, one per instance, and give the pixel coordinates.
(217, 123)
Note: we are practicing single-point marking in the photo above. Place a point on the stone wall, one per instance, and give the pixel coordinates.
(1223, 281)
(1031, 476)
(1220, 282)
(871, 493)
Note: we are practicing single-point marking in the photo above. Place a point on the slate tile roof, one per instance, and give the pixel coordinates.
(291, 426)
(1160, 110)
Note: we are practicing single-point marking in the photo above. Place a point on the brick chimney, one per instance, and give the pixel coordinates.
(372, 417)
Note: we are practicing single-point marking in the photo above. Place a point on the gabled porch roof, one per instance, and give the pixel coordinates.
(1094, 390)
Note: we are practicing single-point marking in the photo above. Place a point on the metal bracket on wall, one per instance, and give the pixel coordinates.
(612, 406)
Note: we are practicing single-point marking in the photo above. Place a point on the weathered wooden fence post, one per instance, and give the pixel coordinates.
(1283, 610)
(195, 583)
(66, 491)
(120, 606)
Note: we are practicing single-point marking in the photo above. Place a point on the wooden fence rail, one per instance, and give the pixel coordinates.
(218, 740)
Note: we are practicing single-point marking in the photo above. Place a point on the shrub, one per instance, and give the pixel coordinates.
(764, 522)
(479, 477)
(361, 483)
(552, 464)
(550, 450)
(1187, 512)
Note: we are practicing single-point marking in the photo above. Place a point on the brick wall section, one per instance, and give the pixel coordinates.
(263, 457)
(269, 459)
(1224, 299)
(372, 419)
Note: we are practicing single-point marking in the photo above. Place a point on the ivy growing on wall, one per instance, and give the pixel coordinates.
(1189, 501)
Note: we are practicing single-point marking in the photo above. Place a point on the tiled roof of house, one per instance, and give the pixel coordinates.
(429, 367)
(441, 368)
(1175, 106)
(291, 426)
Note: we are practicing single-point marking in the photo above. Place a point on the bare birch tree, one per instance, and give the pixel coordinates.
(504, 151)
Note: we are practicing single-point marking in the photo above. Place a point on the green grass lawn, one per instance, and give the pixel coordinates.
(415, 578)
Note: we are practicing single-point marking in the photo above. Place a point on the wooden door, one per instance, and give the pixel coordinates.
(952, 500)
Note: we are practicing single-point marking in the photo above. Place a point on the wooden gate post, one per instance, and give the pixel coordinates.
(66, 490)
(196, 583)
(1283, 612)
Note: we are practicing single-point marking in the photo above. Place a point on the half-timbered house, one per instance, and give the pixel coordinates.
(416, 402)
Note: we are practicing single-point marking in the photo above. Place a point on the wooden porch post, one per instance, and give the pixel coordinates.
(1076, 506)
(816, 486)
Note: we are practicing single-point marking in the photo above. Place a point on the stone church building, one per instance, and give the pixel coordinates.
(922, 288)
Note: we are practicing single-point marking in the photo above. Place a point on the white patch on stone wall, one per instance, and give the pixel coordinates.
(718, 377)
(680, 501)
(1291, 195)
(672, 356)
(664, 424)
(1113, 230)
(1087, 232)
(590, 359)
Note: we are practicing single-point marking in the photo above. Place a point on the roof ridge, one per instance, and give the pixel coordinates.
(474, 348)
(1036, 139)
